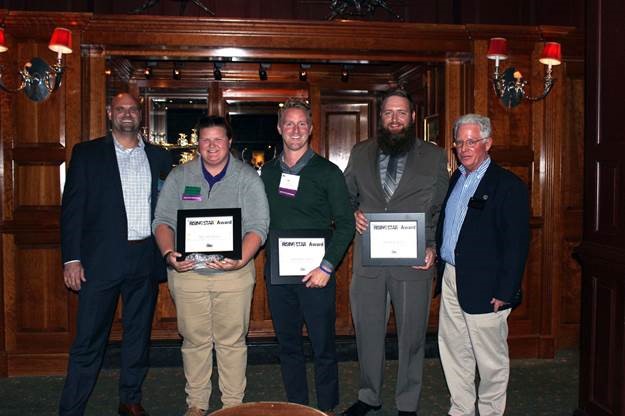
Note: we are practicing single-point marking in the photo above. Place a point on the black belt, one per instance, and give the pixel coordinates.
(131, 242)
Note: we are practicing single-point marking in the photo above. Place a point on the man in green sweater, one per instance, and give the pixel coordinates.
(307, 192)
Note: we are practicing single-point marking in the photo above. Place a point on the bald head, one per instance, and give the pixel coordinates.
(125, 115)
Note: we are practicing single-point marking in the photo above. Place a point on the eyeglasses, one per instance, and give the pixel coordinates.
(470, 143)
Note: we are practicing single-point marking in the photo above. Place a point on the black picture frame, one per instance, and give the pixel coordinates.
(274, 252)
(181, 231)
(408, 217)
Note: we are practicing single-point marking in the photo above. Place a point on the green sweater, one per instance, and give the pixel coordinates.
(321, 201)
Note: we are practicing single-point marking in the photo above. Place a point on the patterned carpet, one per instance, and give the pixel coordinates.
(537, 388)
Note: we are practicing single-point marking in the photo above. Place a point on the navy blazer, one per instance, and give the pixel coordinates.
(493, 242)
(94, 227)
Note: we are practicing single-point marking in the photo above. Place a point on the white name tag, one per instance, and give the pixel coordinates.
(288, 185)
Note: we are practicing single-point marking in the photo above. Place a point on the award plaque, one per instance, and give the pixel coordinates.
(394, 239)
(294, 253)
(210, 231)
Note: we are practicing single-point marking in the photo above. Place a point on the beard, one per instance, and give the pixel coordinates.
(395, 144)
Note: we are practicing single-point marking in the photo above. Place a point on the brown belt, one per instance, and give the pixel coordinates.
(131, 242)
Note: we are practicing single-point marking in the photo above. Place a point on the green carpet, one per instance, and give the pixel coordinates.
(537, 388)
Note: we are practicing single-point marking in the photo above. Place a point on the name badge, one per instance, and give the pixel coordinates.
(288, 185)
(192, 193)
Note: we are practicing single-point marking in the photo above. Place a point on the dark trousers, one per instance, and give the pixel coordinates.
(291, 306)
(97, 300)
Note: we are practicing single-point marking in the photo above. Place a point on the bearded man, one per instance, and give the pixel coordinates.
(394, 173)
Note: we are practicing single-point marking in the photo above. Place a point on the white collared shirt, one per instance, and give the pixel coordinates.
(136, 178)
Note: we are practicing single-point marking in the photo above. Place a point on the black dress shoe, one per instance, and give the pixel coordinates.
(131, 409)
(405, 413)
(359, 408)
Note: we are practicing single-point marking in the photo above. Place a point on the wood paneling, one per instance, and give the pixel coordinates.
(37, 185)
(534, 140)
(38, 310)
(343, 124)
(528, 12)
(602, 252)
(572, 208)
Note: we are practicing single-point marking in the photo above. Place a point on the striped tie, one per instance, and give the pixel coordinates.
(389, 183)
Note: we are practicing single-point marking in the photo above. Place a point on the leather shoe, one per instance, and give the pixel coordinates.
(405, 413)
(359, 408)
(131, 409)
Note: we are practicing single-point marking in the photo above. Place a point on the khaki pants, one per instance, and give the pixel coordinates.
(213, 311)
(466, 340)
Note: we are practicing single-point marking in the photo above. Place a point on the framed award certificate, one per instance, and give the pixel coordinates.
(294, 253)
(394, 239)
(210, 231)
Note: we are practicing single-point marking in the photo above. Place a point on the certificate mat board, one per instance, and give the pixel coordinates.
(294, 253)
(394, 239)
(210, 231)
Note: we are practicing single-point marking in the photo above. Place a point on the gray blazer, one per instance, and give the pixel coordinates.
(422, 188)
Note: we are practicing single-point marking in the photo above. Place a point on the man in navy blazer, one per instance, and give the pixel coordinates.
(483, 237)
(107, 209)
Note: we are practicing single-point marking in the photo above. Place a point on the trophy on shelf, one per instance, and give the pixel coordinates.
(145, 134)
(186, 157)
(194, 137)
(162, 139)
(182, 140)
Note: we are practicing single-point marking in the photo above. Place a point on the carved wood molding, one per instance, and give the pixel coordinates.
(276, 39)
(40, 24)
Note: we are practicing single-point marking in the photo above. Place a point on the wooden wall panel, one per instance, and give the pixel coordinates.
(94, 93)
(602, 252)
(572, 206)
(37, 185)
(42, 302)
(38, 311)
(38, 308)
(260, 319)
(38, 138)
(343, 125)
(528, 12)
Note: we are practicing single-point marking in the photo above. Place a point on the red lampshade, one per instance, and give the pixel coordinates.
(552, 54)
(3, 42)
(497, 49)
(61, 40)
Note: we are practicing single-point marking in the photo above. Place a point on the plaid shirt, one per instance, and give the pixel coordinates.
(134, 171)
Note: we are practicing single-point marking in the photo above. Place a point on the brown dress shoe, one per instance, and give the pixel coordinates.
(131, 409)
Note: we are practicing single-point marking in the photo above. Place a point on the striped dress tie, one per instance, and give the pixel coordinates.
(389, 183)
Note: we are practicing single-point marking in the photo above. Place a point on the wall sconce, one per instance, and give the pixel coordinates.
(303, 72)
(217, 71)
(37, 79)
(262, 71)
(510, 86)
(176, 73)
(147, 72)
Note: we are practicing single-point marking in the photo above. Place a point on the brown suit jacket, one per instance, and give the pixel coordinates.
(422, 188)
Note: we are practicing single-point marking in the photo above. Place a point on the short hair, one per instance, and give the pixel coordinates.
(296, 103)
(398, 92)
(481, 121)
(214, 121)
(112, 98)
